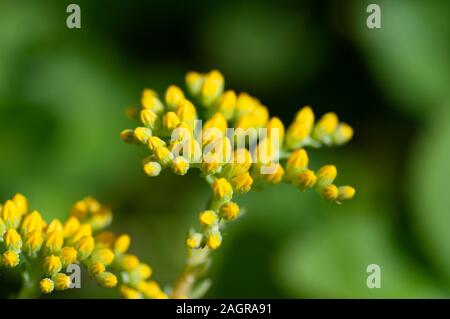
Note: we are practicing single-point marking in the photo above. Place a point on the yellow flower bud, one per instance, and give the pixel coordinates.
(211, 164)
(306, 116)
(10, 259)
(52, 265)
(242, 183)
(129, 293)
(2, 226)
(194, 240)
(68, 256)
(226, 104)
(155, 142)
(212, 87)
(62, 281)
(32, 221)
(54, 241)
(240, 163)
(12, 239)
(141, 134)
(208, 217)
(222, 189)
(122, 243)
(194, 82)
(217, 121)
(273, 125)
(330, 192)
(96, 268)
(326, 175)
(170, 121)
(103, 255)
(107, 279)
(127, 136)
(245, 104)
(148, 118)
(11, 214)
(21, 203)
(276, 176)
(306, 179)
(129, 262)
(55, 225)
(83, 231)
(229, 211)
(145, 271)
(152, 169)
(150, 101)
(180, 165)
(85, 246)
(342, 134)
(174, 95)
(346, 192)
(71, 226)
(186, 112)
(105, 239)
(214, 240)
(297, 162)
(325, 126)
(46, 285)
(297, 133)
(164, 156)
(33, 242)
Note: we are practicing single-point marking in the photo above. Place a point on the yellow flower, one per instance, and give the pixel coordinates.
(180, 165)
(150, 101)
(122, 243)
(145, 271)
(21, 203)
(83, 231)
(155, 142)
(129, 293)
(11, 214)
(103, 255)
(52, 264)
(10, 259)
(217, 121)
(275, 125)
(68, 256)
(170, 121)
(46, 285)
(96, 268)
(54, 242)
(152, 169)
(212, 87)
(346, 192)
(55, 225)
(306, 116)
(342, 134)
(186, 112)
(148, 118)
(32, 221)
(208, 217)
(242, 183)
(194, 240)
(297, 162)
(326, 175)
(164, 156)
(85, 246)
(297, 133)
(107, 279)
(62, 281)
(13, 240)
(226, 104)
(129, 262)
(71, 226)
(245, 104)
(214, 240)
(141, 134)
(330, 192)
(194, 82)
(33, 242)
(105, 239)
(229, 211)
(306, 179)
(276, 176)
(325, 126)
(174, 95)
(2, 226)
(222, 189)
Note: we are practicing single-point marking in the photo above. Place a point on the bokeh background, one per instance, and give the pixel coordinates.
(62, 99)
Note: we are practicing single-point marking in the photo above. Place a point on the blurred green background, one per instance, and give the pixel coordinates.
(62, 99)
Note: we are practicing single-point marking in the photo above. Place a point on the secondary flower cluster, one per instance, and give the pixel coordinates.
(281, 152)
(42, 251)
